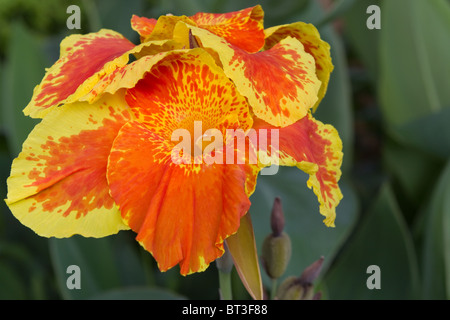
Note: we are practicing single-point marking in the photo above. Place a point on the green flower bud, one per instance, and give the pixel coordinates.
(276, 253)
(301, 288)
(290, 289)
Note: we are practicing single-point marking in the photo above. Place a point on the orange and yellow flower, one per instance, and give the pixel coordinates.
(101, 160)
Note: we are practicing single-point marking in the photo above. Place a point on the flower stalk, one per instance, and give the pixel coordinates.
(276, 251)
(225, 266)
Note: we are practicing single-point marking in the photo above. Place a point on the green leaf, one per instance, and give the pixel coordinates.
(20, 270)
(12, 286)
(94, 257)
(116, 15)
(363, 40)
(127, 258)
(2, 122)
(243, 250)
(414, 51)
(310, 238)
(382, 239)
(429, 133)
(23, 70)
(412, 170)
(138, 293)
(435, 226)
(339, 8)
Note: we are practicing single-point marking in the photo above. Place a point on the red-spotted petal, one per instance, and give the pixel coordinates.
(280, 83)
(127, 76)
(83, 60)
(243, 28)
(308, 35)
(58, 183)
(164, 27)
(187, 87)
(315, 148)
(142, 25)
(182, 213)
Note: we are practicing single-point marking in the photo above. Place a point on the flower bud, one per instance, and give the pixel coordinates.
(277, 217)
(276, 253)
(312, 272)
(290, 289)
(301, 288)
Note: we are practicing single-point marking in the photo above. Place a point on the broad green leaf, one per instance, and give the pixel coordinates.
(5, 163)
(339, 8)
(12, 286)
(446, 239)
(21, 273)
(116, 15)
(430, 133)
(94, 257)
(310, 238)
(23, 70)
(2, 121)
(414, 50)
(435, 226)
(412, 170)
(138, 293)
(242, 247)
(383, 240)
(128, 259)
(363, 40)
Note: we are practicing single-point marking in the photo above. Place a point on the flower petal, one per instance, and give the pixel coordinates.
(142, 25)
(308, 35)
(243, 28)
(58, 183)
(128, 75)
(164, 27)
(182, 213)
(280, 83)
(83, 59)
(186, 87)
(316, 149)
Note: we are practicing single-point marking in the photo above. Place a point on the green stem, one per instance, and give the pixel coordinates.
(224, 266)
(273, 291)
(225, 285)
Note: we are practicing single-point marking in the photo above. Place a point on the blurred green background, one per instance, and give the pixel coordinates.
(389, 98)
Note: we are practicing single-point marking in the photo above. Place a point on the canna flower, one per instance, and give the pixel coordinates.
(102, 158)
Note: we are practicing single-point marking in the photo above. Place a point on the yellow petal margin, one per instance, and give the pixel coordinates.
(280, 83)
(58, 185)
(309, 36)
(129, 75)
(316, 149)
(83, 60)
(242, 28)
